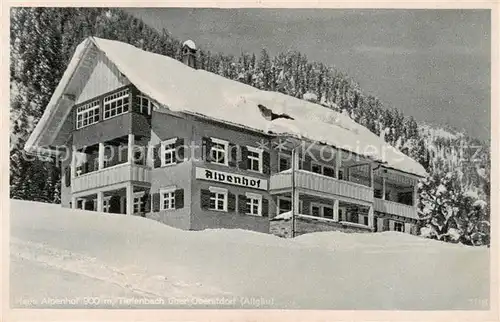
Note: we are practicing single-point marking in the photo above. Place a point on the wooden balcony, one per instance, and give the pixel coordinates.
(108, 176)
(315, 182)
(394, 208)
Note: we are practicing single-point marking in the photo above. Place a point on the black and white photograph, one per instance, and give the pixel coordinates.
(190, 158)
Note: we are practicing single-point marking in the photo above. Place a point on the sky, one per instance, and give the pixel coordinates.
(431, 64)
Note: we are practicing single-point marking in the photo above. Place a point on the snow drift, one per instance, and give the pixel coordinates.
(62, 258)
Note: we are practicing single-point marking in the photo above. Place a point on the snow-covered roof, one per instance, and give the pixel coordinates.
(190, 44)
(170, 83)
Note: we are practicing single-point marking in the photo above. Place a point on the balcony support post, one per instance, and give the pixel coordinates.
(295, 192)
(336, 210)
(371, 219)
(415, 193)
(100, 198)
(73, 162)
(383, 188)
(130, 150)
(129, 199)
(101, 155)
(372, 179)
(73, 203)
(338, 163)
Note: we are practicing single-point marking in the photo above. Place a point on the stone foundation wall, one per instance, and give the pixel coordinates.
(283, 228)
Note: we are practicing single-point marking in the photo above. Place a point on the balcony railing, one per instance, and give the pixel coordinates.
(394, 208)
(111, 175)
(316, 182)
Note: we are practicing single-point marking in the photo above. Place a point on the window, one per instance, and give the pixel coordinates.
(105, 204)
(322, 169)
(218, 199)
(377, 193)
(219, 151)
(329, 172)
(167, 201)
(116, 104)
(363, 220)
(284, 205)
(341, 174)
(254, 159)
(328, 212)
(80, 203)
(284, 162)
(320, 210)
(87, 114)
(168, 152)
(399, 226)
(145, 104)
(139, 204)
(316, 168)
(254, 204)
(316, 210)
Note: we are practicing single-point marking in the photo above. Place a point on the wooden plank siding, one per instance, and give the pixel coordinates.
(395, 208)
(108, 176)
(315, 182)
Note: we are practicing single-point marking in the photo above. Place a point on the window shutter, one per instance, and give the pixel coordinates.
(156, 202)
(242, 204)
(114, 204)
(243, 164)
(67, 176)
(179, 198)
(179, 148)
(231, 202)
(233, 155)
(156, 156)
(265, 207)
(266, 158)
(147, 202)
(207, 145)
(205, 199)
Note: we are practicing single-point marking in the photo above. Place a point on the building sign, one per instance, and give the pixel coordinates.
(231, 178)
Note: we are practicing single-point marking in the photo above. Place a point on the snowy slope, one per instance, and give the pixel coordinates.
(73, 255)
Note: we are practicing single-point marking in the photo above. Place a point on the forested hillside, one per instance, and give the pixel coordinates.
(454, 198)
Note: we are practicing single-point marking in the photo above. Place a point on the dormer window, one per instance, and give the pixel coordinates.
(116, 104)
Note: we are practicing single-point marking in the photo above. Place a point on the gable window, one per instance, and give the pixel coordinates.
(254, 159)
(116, 104)
(399, 226)
(219, 151)
(285, 162)
(146, 105)
(87, 114)
(168, 152)
(218, 199)
(167, 198)
(254, 204)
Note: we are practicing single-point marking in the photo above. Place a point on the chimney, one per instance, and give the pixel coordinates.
(189, 53)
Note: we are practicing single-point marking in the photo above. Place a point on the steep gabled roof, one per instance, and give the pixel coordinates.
(180, 88)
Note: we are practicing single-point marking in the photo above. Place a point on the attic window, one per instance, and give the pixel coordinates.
(270, 115)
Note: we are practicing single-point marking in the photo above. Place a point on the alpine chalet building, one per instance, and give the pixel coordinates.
(143, 134)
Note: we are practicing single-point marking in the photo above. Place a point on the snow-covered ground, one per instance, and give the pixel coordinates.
(72, 258)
